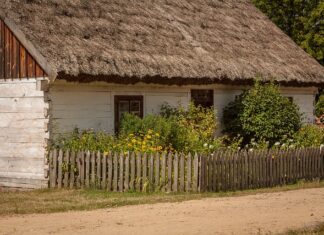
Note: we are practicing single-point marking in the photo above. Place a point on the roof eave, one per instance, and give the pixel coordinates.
(88, 78)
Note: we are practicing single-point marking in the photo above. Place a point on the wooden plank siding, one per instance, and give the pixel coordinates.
(15, 61)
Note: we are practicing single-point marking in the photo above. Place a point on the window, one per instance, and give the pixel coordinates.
(205, 98)
(127, 104)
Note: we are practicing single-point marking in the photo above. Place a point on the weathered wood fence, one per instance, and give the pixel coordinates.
(220, 171)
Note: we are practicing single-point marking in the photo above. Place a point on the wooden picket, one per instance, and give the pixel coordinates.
(220, 171)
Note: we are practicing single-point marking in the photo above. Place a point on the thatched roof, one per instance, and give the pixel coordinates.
(192, 41)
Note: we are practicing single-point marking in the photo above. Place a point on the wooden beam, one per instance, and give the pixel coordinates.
(23, 63)
(14, 57)
(7, 53)
(39, 72)
(30, 66)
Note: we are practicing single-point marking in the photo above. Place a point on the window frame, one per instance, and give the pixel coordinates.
(118, 98)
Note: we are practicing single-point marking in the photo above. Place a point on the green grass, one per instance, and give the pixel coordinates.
(49, 201)
(317, 230)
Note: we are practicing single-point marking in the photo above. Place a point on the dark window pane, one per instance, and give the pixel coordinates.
(204, 98)
(123, 107)
(135, 107)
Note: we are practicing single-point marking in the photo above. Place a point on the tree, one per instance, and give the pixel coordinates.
(263, 114)
(319, 108)
(313, 39)
(301, 20)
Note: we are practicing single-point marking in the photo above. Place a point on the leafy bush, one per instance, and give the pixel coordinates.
(309, 136)
(132, 124)
(262, 113)
(180, 129)
(100, 141)
(319, 108)
(84, 140)
(194, 128)
(148, 142)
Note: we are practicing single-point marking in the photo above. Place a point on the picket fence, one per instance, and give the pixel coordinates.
(220, 171)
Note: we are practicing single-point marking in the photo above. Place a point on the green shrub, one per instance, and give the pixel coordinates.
(309, 136)
(84, 140)
(261, 113)
(193, 128)
(319, 108)
(132, 124)
(180, 129)
(88, 140)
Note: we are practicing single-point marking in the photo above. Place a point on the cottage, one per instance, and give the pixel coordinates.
(67, 64)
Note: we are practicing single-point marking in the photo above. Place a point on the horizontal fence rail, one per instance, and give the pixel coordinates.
(220, 171)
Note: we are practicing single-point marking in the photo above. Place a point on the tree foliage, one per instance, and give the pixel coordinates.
(302, 20)
(319, 108)
(262, 113)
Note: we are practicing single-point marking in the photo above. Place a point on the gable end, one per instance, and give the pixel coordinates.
(15, 59)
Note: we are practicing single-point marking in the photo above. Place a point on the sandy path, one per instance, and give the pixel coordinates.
(255, 214)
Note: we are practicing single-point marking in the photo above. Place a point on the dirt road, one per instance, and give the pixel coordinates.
(255, 214)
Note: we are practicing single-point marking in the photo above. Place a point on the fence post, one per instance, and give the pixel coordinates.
(98, 164)
(66, 170)
(163, 172)
(110, 171)
(53, 163)
(151, 171)
(93, 168)
(188, 188)
(175, 173)
(127, 172)
(59, 176)
(72, 170)
(195, 185)
(121, 172)
(170, 172)
(87, 171)
(157, 170)
(104, 171)
(138, 173)
(115, 169)
(182, 173)
(132, 175)
(202, 174)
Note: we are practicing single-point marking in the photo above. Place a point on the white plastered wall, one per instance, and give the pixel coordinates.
(91, 105)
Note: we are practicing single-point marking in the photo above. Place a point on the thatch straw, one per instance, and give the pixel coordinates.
(168, 41)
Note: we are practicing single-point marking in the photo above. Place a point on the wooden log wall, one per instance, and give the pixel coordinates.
(15, 61)
(220, 171)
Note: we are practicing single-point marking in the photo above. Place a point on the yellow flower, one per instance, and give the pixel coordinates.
(157, 134)
(149, 136)
(133, 141)
(149, 131)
